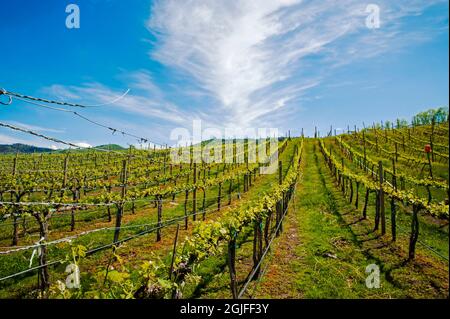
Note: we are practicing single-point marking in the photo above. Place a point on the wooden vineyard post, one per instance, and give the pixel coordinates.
(351, 190)
(15, 239)
(365, 154)
(245, 182)
(14, 170)
(16, 213)
(230, 189)
(279, 209)
(204, 203)
(433, 122)
(257, 245)
(414, 232)
(66, 166)
(376, 142)
(174, 250)
(191, 152)
(164, 164)
(394, 175)
(133, 206)
(194, 194)
(280, 172)
(396, 152)
(329, 158)
(393, 208)
(232, 266)
(366, 199)
(357, 195)
(95, 159)
(219, 196)
(76, 195)
(43, 275)
(186, 197)
(267, 229)
(381, 198)
(109, 207)
(428, 150)
(174, 193)
(121, 204)
(159, 225)
(377, 211)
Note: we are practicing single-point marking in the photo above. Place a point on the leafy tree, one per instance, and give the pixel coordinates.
(439, 115)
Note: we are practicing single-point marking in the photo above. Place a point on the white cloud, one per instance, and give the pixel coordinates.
(253, 57)
(12, 139)
(83, 144)
(144, 98)
(35, 127)
(6, 139)
(250, 63)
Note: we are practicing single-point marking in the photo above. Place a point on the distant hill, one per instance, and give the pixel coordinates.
(22, 148)
(110, 147)
(113, 147)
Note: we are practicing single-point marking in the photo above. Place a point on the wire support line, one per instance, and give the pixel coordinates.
(29, 97)
(87, 232)
(266, 251)
(114, 130)
(53, 139)
(405, 231)
(99, 248)
(255, 269)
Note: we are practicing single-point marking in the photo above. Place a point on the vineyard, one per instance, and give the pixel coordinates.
(132, 223)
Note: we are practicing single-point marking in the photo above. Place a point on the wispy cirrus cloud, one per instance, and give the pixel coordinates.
(144, 99)
(7, 139)
(254, 58)
(251, 63)
(35, 128)
(15, 138)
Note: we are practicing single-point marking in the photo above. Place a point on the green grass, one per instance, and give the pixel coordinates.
(328, 227)
(433, 232)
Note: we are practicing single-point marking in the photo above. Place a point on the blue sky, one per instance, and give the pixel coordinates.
(270, 63)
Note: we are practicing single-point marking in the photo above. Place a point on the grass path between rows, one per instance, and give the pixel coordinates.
(326, 247)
